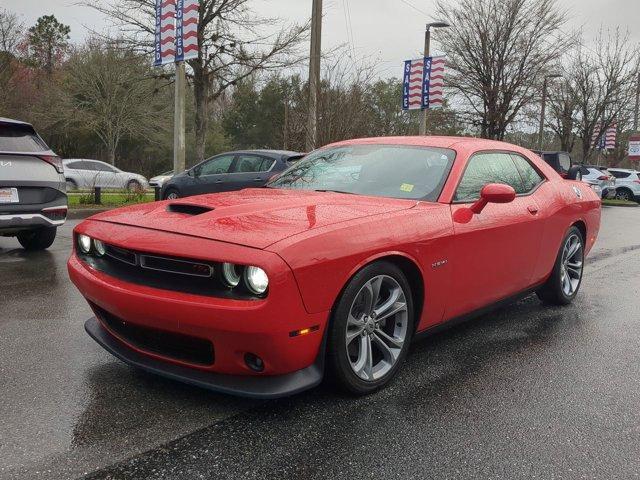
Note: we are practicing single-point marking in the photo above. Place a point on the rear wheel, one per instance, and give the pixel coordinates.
(624, 194)
(371, 329)
(171, 194)
(71, 184)
(134, 186)
(38, 239)
(566, 277)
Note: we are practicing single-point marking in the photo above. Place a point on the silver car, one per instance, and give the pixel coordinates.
(33, 202)
(159, 180)
(86, 173)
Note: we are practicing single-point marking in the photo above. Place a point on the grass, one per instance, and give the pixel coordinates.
(109, 199)
(618, 203)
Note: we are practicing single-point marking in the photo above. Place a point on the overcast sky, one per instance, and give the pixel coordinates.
(388, 31)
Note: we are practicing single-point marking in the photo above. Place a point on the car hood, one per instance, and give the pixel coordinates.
(252, 217)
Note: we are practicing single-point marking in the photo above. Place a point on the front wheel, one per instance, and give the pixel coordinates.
(134, 186)
(624, 194)
(371, 329)
(566, 277)
(38, 239)
(171, 194)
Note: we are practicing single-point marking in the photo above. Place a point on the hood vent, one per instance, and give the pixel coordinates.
(188, 209)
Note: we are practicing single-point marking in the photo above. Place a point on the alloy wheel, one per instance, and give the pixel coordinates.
(572, 263)
(376, 328)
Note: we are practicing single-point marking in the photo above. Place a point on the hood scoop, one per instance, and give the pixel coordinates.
(188, 209)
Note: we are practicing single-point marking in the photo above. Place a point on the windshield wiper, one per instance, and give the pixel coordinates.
(334, 191)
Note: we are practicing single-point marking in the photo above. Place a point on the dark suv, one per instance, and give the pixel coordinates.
(33, 202)
(229, 171)
(561, 162)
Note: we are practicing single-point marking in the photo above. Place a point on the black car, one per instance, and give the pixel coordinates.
(229, 171)
(561, 162)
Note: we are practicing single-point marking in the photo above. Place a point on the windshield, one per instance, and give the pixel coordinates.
(395, 171)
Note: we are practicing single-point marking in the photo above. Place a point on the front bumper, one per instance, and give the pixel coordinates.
(241, 385)
(233, 327)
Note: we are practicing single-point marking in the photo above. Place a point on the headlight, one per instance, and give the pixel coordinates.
(100, 248)
(256, 280)
(231, 274)
(84, 242)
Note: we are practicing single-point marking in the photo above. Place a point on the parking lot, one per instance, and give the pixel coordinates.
(527, 391)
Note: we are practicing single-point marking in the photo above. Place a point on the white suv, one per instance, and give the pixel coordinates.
(627, 184)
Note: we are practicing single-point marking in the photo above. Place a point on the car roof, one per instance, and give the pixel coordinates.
(81, 160)
(14, 122)
(626, 170)
(271, 153)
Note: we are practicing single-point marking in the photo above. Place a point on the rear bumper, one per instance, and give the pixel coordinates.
(27, 220)
(268, 387)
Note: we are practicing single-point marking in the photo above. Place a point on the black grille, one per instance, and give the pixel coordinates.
(167, 273)
(172, 345)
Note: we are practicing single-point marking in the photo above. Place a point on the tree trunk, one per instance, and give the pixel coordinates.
(111, 155)
(201, 100)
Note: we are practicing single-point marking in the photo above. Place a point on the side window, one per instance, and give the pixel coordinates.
(252, 163)
(74, 165)
(484, 168)
(620, 174)
(530, 176)
(101, 167)
(85, 165)
(565, 161)
(217, 165)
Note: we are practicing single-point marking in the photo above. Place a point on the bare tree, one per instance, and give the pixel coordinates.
(112, 92)
(234, 44)
(499, 51)
(601, 81)
(562, 116)
(11, 31)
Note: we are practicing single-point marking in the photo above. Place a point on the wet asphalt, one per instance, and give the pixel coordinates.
(528, 391)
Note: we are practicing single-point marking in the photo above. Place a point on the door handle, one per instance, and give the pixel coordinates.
(533, 210)
(257, 179)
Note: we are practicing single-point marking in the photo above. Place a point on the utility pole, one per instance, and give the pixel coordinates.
(286, 125)
(427, 52)
(179, 124)
(637, 110)
(314, 74)
(544, 106)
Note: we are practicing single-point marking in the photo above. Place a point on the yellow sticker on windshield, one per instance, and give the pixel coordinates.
(406, 187)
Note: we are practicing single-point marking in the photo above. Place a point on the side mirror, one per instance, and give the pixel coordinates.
(493, 193)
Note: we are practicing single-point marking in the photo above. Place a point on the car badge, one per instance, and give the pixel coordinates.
(578, 192)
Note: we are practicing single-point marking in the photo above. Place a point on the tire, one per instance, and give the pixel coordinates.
(563, 284)
(39, 239)
(134, 186)
(347, 364)
(71, 184)
(624, 194)
(171, 194)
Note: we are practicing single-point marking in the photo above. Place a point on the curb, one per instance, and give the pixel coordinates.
(82, 213)
(621, 205)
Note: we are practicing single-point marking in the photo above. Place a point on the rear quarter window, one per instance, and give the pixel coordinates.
(18, 138)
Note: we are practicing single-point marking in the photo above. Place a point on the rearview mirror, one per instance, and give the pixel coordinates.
(493, 193)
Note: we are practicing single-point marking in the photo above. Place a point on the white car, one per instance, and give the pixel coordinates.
(85, 173)
(159, 180)
(627, 183)
(600, 180)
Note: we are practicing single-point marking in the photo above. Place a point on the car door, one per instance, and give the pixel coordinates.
(496, 252)
(250, 170)
(87, 174)
(107, 175)
(210, 176)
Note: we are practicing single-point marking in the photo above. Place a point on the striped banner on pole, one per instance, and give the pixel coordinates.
(187, 29)
(164, 45)
(423, 83)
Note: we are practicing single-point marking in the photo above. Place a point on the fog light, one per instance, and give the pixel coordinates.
(100, 247)
(254, 362)
(256, 280)
(84, 242)
(231, 274)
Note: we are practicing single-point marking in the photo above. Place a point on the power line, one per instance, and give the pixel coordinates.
(414, 7)
(349, 25)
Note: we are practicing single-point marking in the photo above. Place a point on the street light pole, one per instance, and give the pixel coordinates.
(637, 109)
(427, 52)
(427, 49)
(314, 74)
(544, 106)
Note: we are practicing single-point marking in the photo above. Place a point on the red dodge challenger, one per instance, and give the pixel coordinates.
(333, 267)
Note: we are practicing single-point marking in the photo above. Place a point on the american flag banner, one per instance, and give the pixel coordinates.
(187, 29)
(423, 83)
(606, 141)
(165, 32)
